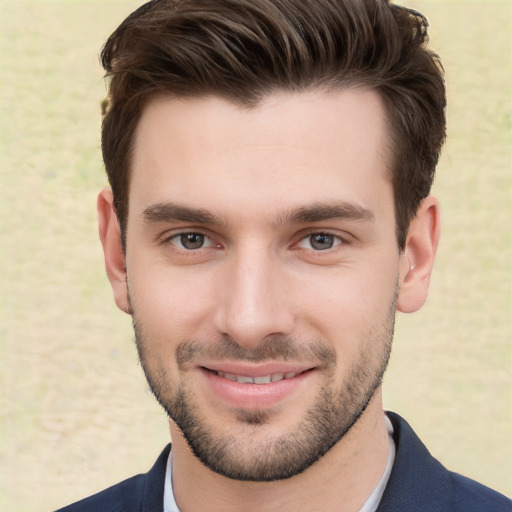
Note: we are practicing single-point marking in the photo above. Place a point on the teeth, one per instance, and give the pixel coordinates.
(244, 380)
(265, 379)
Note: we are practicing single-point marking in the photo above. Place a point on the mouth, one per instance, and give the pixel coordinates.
(262, 379)
(254, 387)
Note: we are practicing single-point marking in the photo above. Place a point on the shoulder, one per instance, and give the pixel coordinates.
(471, 496)
(140, 493)
(125, 496)
(420, 483)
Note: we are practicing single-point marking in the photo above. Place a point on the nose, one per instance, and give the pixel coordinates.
(252, 300)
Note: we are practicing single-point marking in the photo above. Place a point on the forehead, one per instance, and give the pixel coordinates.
(289, 150)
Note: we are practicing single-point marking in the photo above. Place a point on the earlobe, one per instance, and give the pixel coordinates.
(110, 236)
(417, 259)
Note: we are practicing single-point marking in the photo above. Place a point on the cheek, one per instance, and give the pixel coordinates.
(347, 303)
(170, 303)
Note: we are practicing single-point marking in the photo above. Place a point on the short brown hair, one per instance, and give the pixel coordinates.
(242, 50)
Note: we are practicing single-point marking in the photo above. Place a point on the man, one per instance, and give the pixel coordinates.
(270, 164)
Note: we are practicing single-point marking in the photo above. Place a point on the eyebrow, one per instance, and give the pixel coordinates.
(172, 212)
(326, 211)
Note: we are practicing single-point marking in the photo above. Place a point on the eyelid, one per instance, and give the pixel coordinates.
(168, 237)
(342, 238)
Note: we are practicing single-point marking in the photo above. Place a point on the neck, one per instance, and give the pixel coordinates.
(345, 476)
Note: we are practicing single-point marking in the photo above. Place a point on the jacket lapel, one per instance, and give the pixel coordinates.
(417, 481)
(153, 500)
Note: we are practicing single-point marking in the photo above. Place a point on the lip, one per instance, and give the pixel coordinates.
(255, 396)
(256, 370)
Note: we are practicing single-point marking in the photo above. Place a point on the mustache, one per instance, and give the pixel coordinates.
(274, 347)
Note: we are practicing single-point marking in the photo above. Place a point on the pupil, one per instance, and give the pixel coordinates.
(192, 240)
(321, 241)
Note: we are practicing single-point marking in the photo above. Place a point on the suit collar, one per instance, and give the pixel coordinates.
(417, 478)
(154, 485)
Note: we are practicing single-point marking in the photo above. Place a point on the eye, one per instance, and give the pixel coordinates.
(191, 241)
(320, 241)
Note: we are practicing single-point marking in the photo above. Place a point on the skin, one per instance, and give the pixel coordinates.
(259, 280)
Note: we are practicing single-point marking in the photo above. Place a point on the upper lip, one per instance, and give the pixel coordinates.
(257, 370)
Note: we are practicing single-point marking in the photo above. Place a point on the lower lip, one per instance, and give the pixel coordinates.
(254, 396)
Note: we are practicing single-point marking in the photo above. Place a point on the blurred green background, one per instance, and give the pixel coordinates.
(75, 412)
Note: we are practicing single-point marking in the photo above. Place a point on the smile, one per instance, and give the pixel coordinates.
(254, 387)
(264, 379)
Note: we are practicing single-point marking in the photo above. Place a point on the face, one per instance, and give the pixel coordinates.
(262, 269)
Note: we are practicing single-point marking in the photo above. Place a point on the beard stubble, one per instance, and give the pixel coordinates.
(334, 413)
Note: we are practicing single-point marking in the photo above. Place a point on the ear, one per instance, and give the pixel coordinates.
(110, 236)
(417, 259)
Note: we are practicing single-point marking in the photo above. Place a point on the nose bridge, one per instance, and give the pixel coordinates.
(252, 302)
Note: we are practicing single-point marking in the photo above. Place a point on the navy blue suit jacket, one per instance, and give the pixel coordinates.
(418, 483)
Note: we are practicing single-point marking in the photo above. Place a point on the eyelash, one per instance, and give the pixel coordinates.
(338, 240)
(181, 234)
